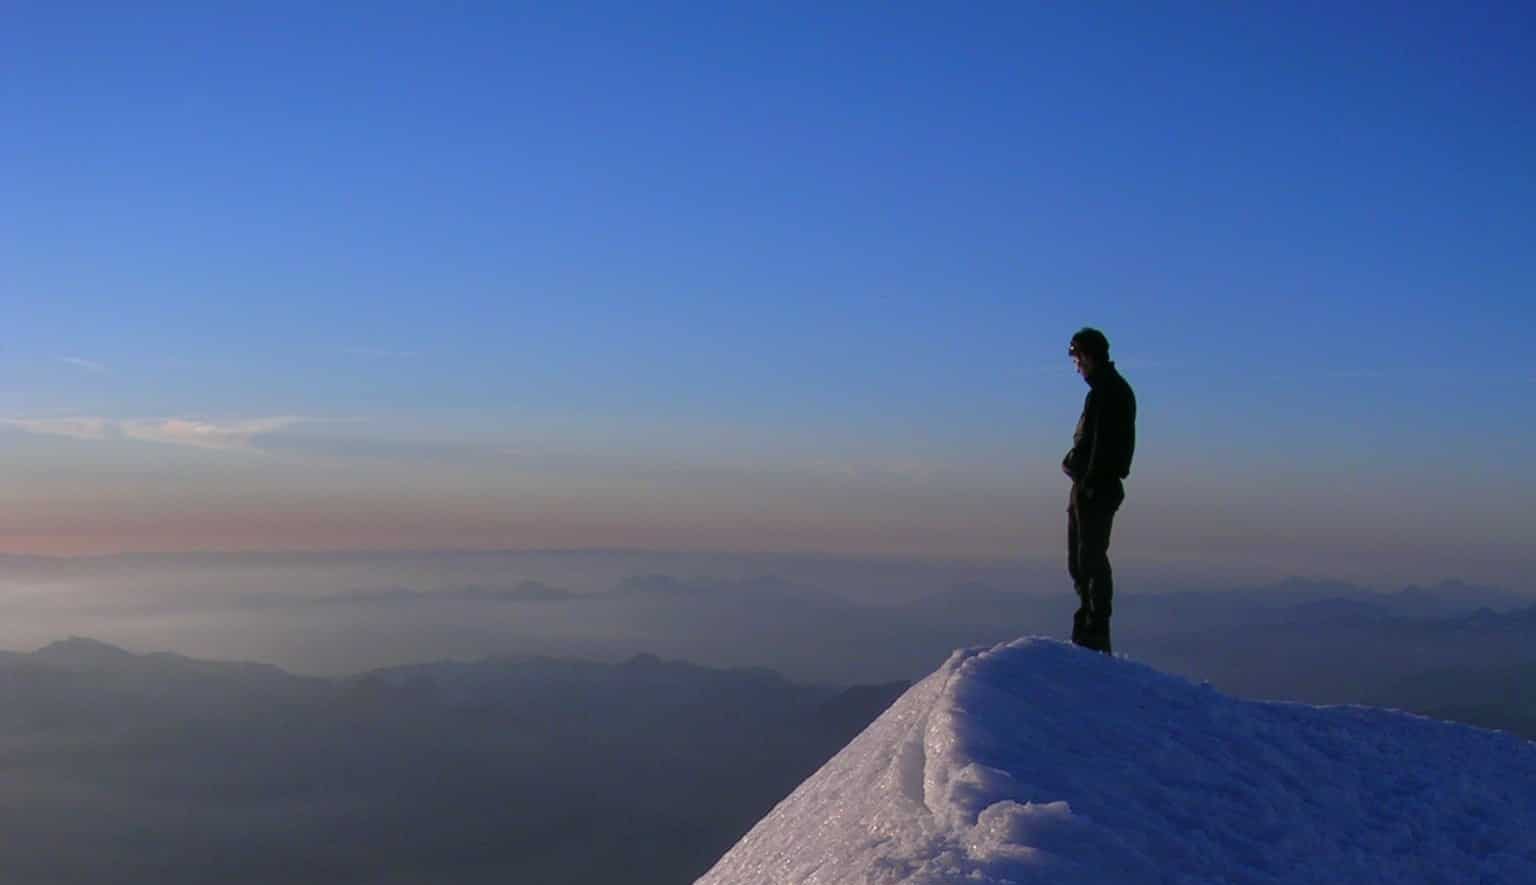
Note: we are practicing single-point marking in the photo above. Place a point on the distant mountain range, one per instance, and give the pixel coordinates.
(157, 768)
(1309, 640)
(822, 637)
(186, 770)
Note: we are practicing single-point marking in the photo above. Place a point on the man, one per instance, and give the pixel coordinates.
(1099, 459)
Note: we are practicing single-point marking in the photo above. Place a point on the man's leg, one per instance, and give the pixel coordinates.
(1094, 521)
(1074, 568)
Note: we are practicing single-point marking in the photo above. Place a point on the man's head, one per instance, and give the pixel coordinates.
(1089, 350)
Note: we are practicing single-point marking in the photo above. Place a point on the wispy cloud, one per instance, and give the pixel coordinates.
(87, 365)
(226, 435)
(75, 428)
(206, 434)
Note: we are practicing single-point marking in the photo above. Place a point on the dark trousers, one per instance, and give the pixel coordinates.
(1090, 515)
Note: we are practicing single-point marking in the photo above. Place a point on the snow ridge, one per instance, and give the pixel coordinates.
(1035, 761)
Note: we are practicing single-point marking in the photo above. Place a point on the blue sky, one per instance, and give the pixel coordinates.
(683, 262)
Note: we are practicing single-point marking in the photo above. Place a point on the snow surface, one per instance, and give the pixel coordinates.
(1036, 761)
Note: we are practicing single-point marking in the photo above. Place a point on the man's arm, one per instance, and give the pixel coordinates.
(1071, 465)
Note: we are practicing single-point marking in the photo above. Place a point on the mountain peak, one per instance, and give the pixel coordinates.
(82, 650)
(1037, 761)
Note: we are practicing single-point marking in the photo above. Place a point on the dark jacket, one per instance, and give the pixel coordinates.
(1105, 438)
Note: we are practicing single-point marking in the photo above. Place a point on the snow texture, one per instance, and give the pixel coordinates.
(1036, 761)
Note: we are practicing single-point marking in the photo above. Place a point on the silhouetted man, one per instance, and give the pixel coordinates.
(1099, 459)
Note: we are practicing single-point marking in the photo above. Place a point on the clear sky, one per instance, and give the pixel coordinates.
(767, 276)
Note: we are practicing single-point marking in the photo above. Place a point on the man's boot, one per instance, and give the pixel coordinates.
(1080, 624)
(1096, 635)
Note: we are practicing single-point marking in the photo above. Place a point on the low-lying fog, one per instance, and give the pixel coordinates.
(577, 746)
(334, 614)
(1445, 647)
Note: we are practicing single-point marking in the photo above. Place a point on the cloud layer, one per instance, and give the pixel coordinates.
(80, 363)
(236, 435)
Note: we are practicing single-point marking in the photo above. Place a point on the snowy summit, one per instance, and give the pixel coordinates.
(1035, 761)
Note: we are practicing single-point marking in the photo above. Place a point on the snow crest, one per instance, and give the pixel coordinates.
(1035, 761)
